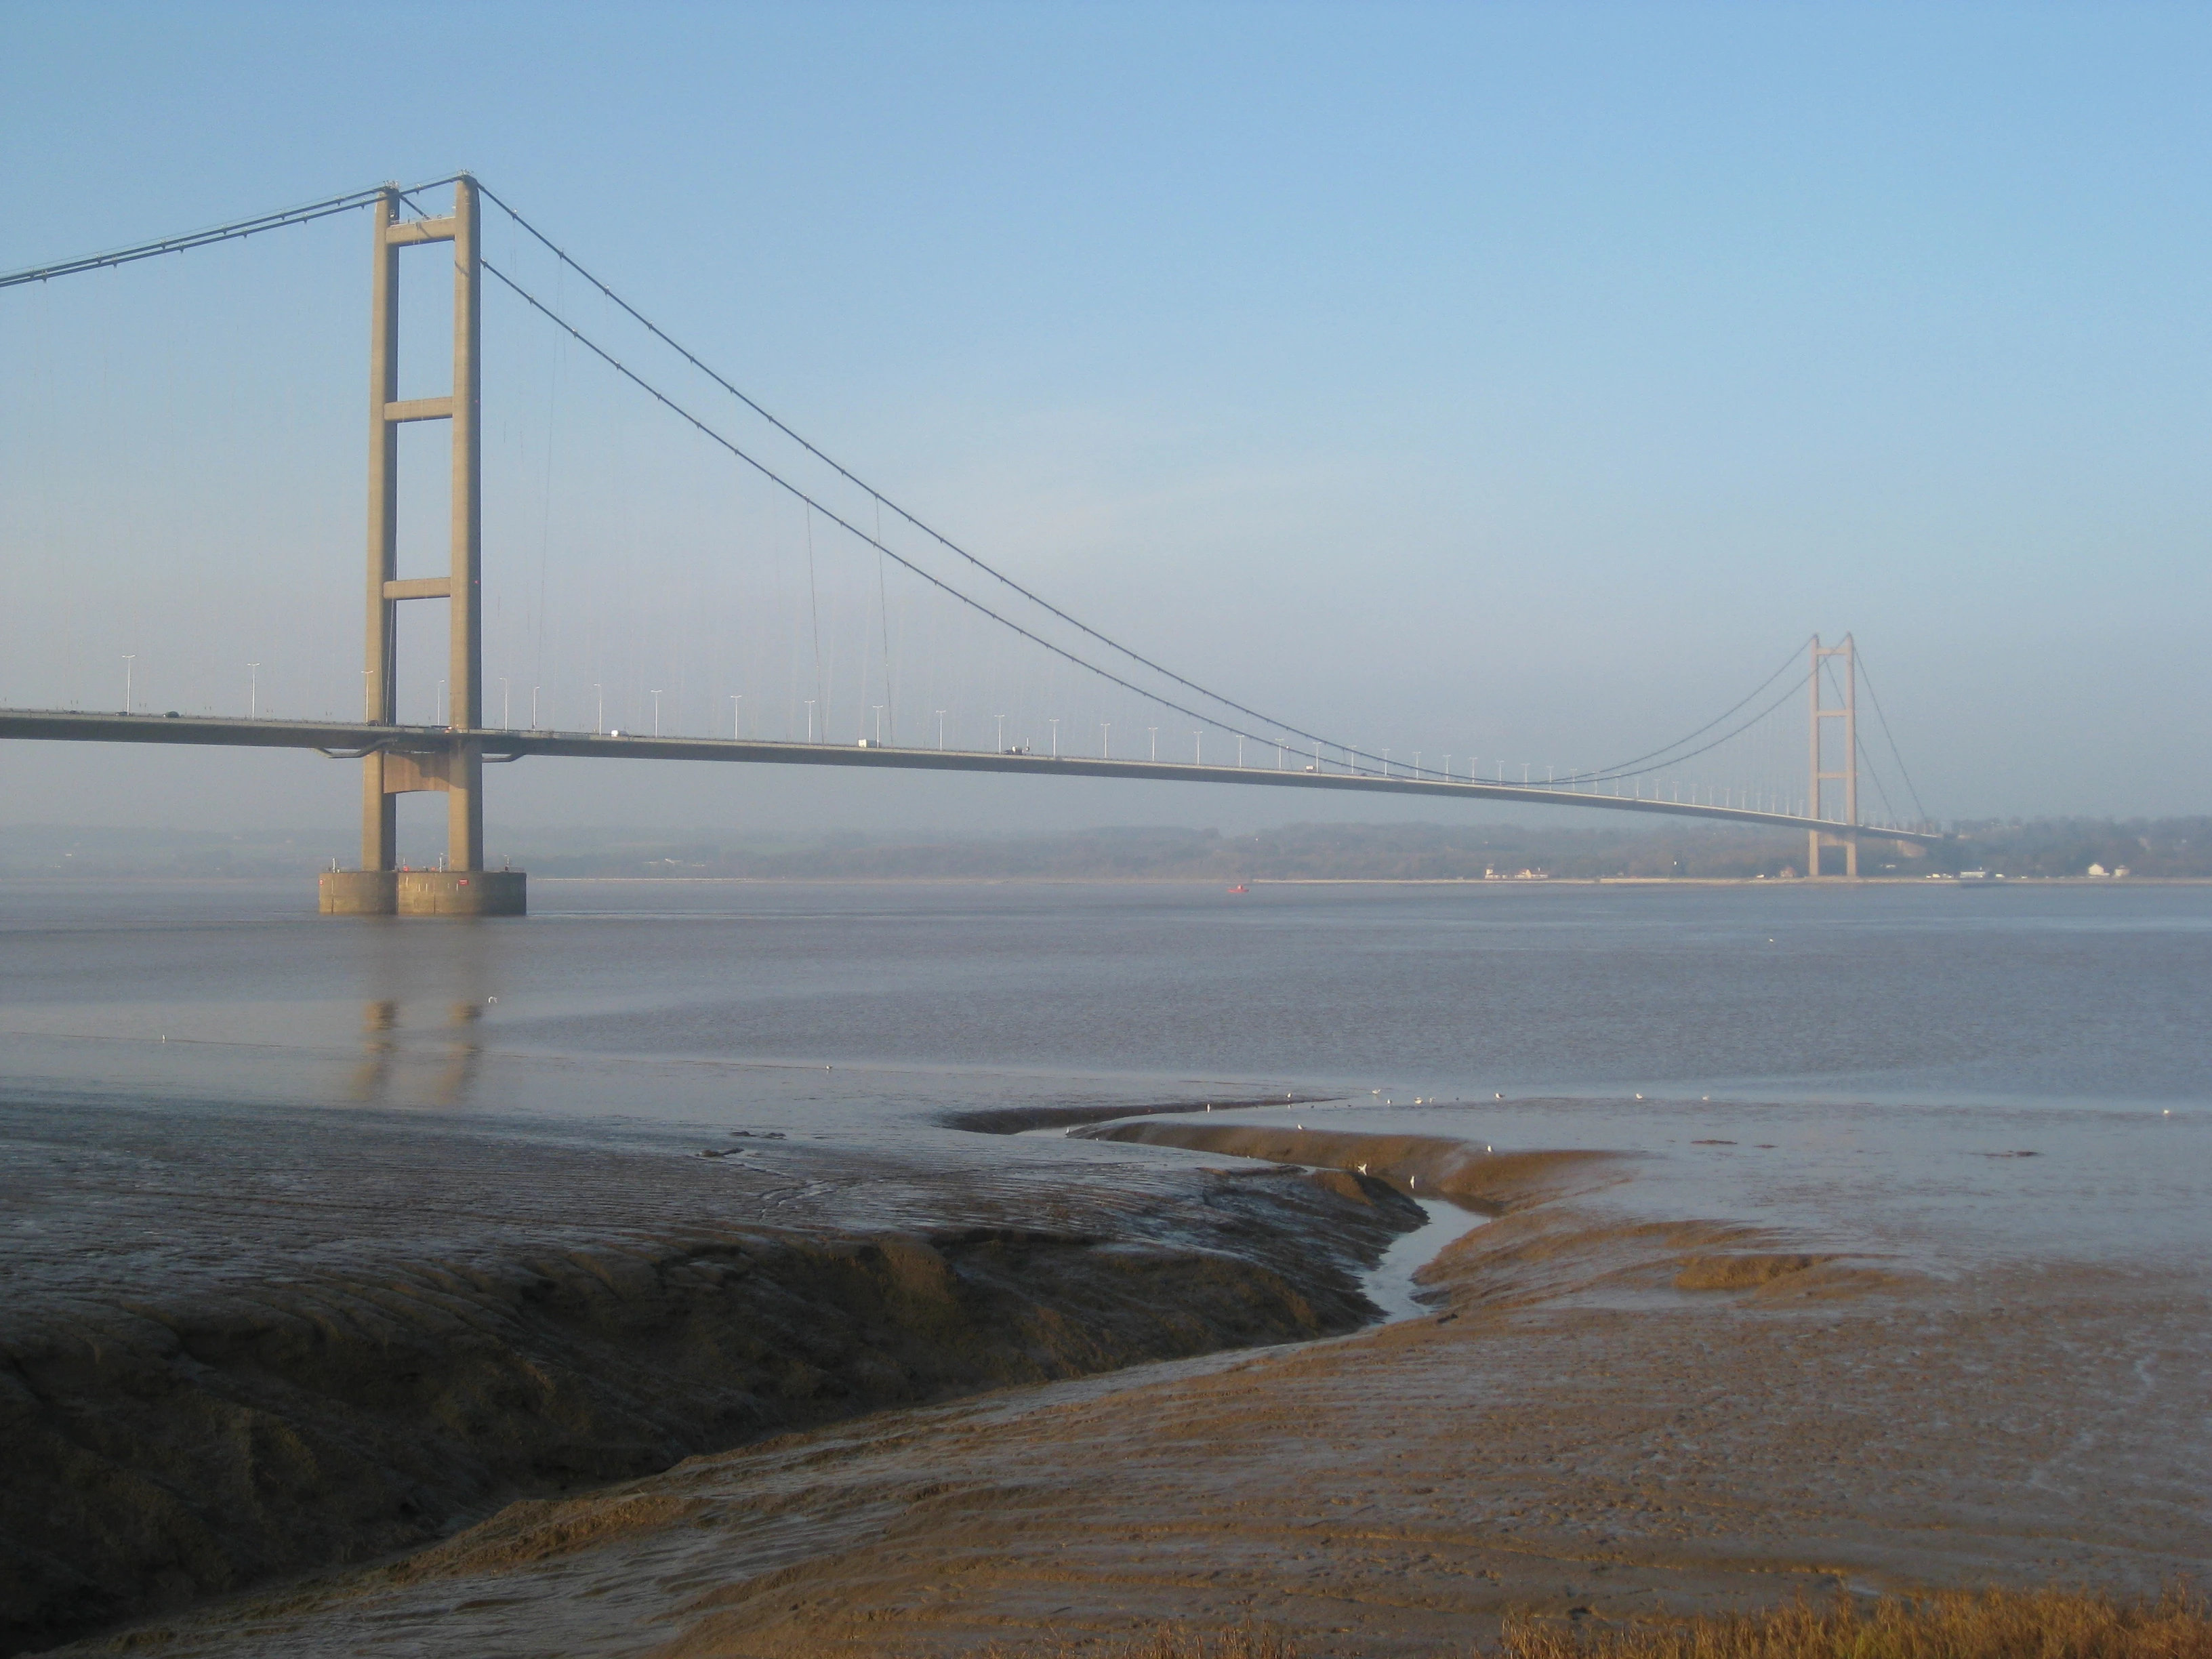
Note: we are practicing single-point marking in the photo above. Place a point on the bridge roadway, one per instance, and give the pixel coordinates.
(341, 740)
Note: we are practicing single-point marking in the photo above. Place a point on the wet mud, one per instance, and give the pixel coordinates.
(262, 1410)
(1565, 1433)
(1476, 1177)
(1600, 1411)
(1021, 1120)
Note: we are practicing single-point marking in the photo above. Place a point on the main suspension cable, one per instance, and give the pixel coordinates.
(1890, 738)
(869, 489)
(231, 232)
(1874, 772)
(1725, 737)
(843, 523)
(1603, 773)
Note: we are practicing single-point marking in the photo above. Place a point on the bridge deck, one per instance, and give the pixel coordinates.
(344, 740)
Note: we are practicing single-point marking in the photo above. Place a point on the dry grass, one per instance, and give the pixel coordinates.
(1991, 1625)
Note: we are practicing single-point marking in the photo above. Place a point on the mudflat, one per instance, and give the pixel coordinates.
(277, 1342)
(1602, 1412)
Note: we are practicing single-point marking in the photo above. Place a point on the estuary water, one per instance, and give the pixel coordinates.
(1818, 1052)
(2085, 996)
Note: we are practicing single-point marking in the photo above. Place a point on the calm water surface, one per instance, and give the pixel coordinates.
(2085, 996)
(1807, 1055)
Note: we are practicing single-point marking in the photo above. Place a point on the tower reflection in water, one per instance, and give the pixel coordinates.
(432, 1071)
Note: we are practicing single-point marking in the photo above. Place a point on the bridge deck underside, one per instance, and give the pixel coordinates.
(347, 740)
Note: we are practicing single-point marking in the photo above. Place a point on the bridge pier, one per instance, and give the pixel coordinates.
(454, 767)
(424, 893)
(1816, 839)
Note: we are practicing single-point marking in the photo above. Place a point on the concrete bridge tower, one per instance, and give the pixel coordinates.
(1847, 711)
(453, 763)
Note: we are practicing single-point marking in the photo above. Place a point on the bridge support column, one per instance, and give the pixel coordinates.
(463, 887)
(465, 807)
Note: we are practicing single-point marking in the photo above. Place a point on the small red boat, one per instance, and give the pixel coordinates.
(1240, 888)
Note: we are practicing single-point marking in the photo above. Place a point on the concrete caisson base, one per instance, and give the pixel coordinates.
(462, 893)
(359, 892)
(424, 893)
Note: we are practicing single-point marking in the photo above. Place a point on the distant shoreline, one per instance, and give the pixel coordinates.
(1380, 881)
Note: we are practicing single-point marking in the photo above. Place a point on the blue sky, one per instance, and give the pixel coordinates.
(1518, 378)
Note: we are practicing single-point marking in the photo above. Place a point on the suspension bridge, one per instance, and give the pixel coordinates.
(971, 609)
